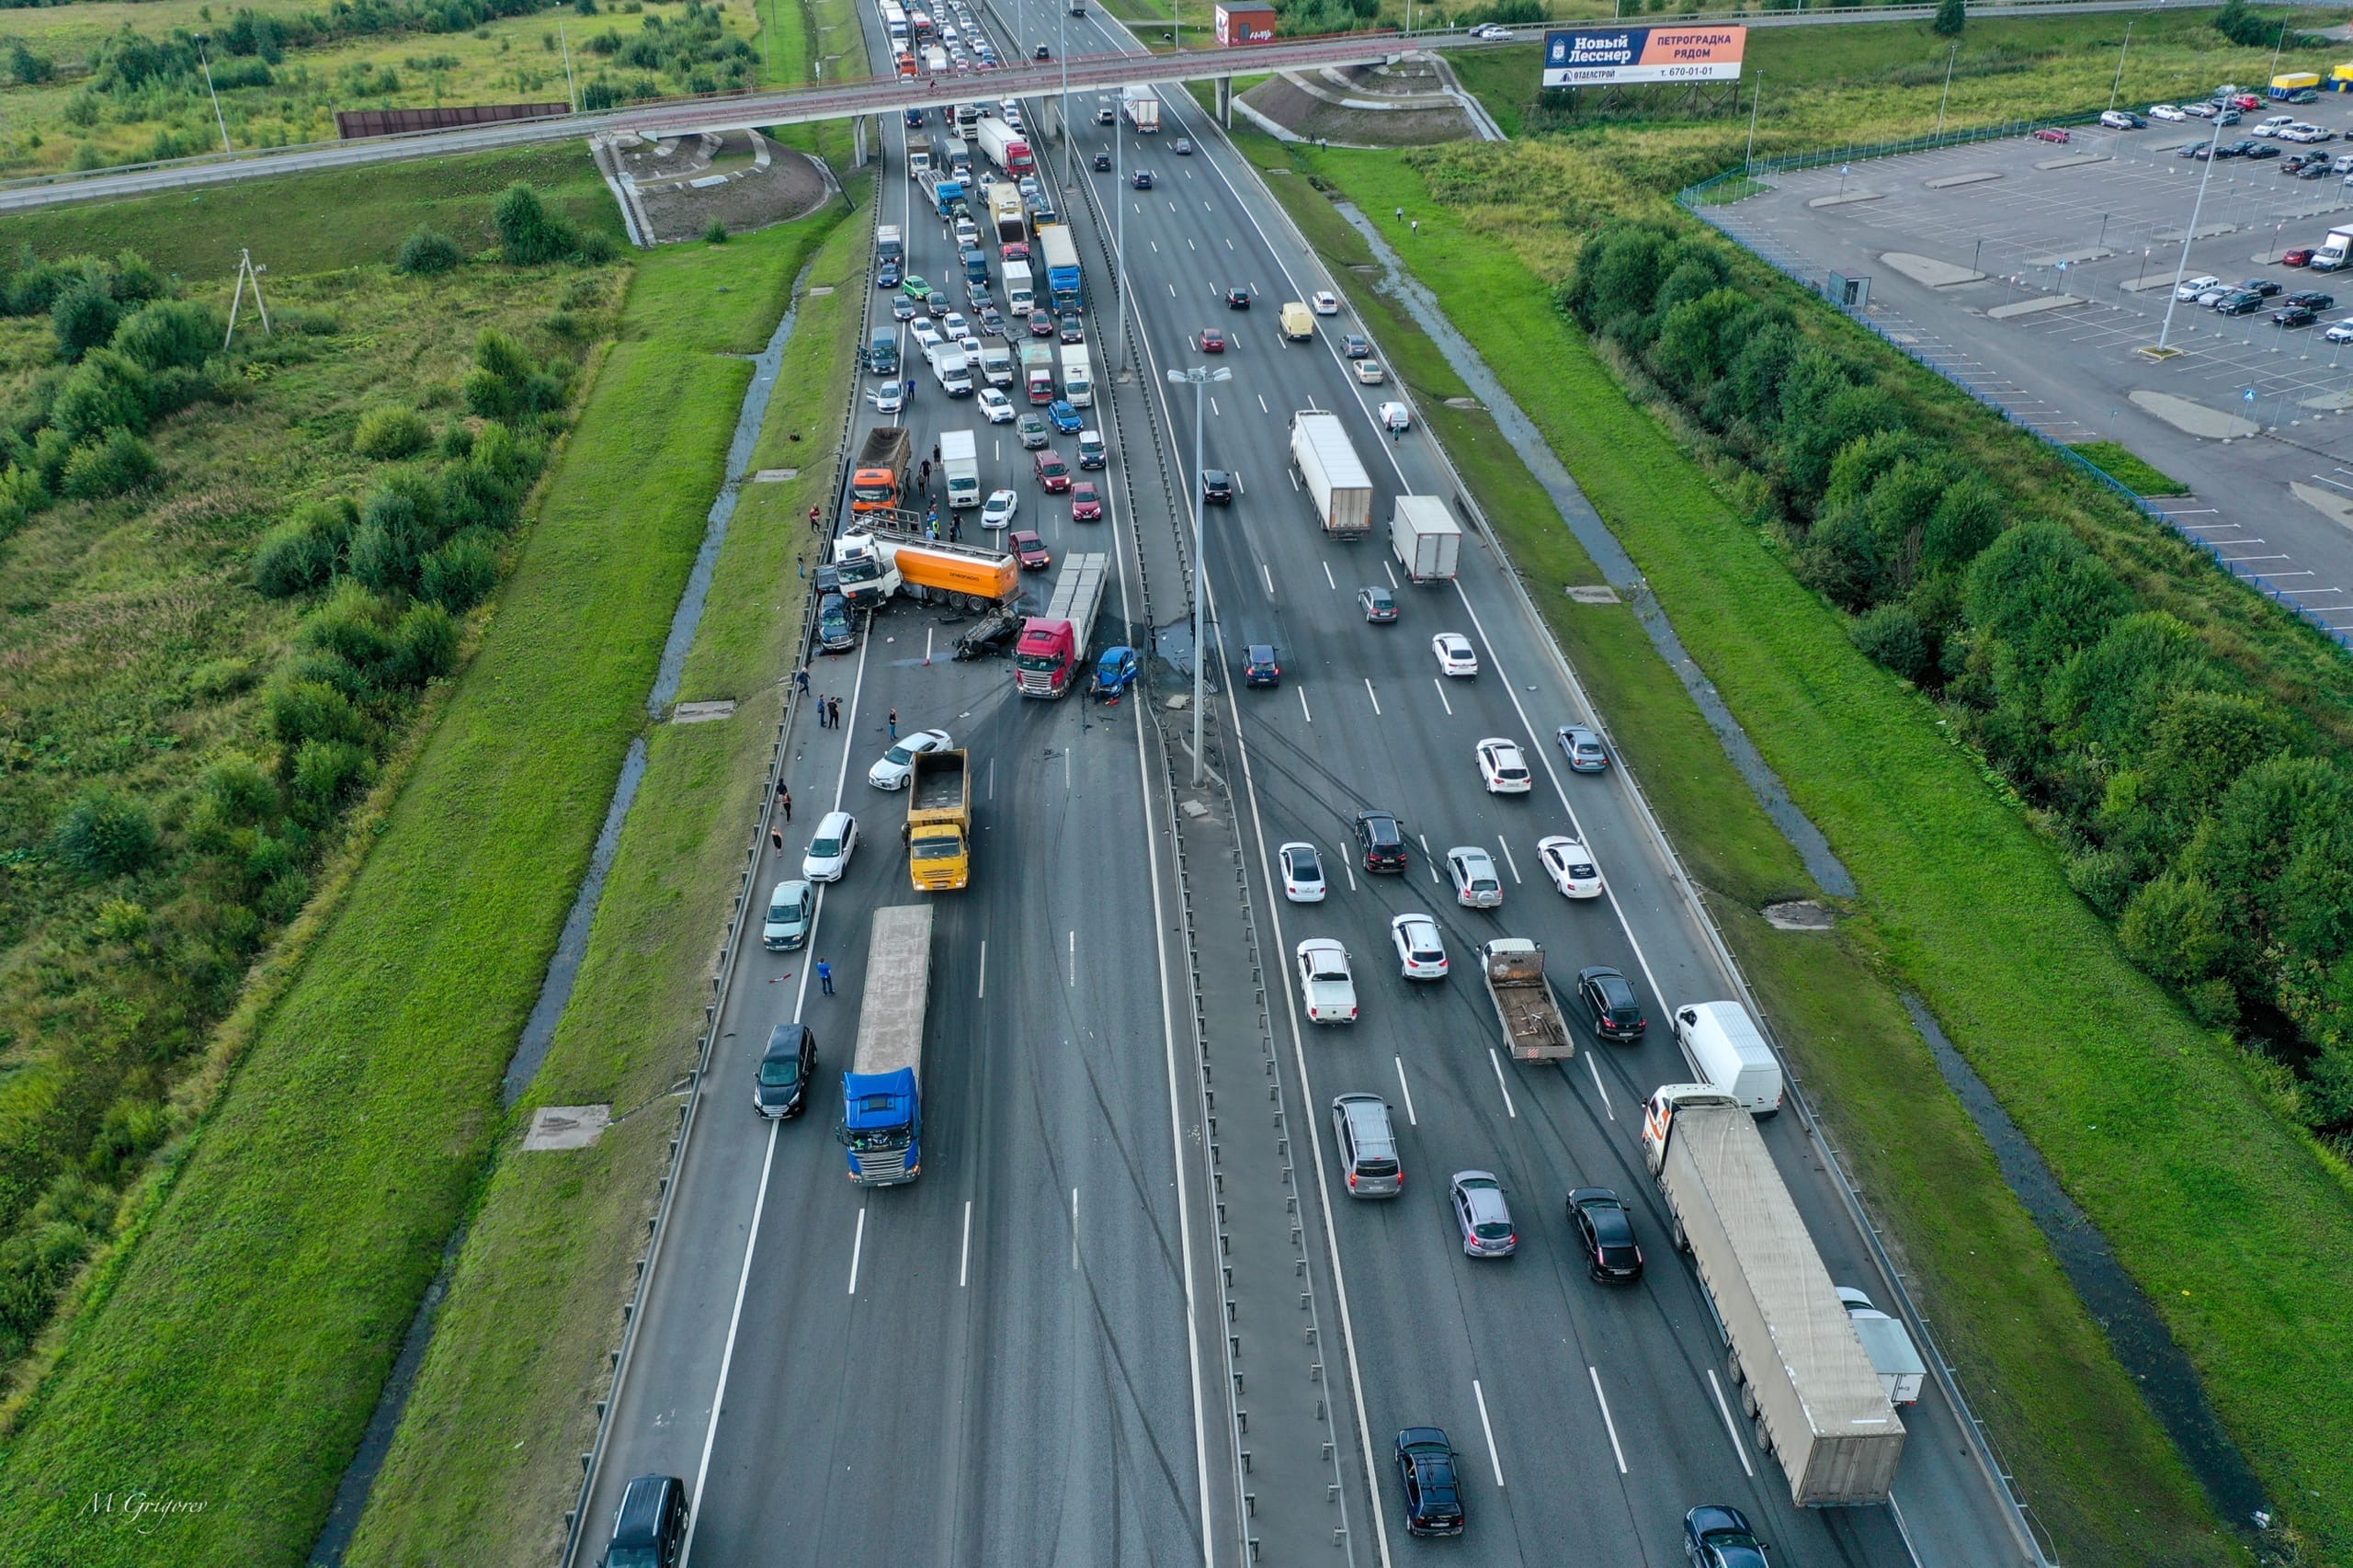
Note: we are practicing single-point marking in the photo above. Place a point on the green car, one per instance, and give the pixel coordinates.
(1034, 431)
(915, 289)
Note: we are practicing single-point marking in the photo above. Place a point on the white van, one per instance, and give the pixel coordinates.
(952, 369)
(2273, 126)
(1724, 1047)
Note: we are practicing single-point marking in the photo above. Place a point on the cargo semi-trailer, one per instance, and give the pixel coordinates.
(882, 1123)
(1334, 476)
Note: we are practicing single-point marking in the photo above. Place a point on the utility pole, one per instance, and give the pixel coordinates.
(1200, 377)
(1951, 55)
(1120, 228)
(2275, 55)
(218, 118)
(571, 83)
(2173, 296)
(1755, 99)
(2119, 86)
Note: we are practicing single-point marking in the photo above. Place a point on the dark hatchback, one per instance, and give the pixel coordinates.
(1610, 1006)
(1380, 840)
(1716, 1536)
(1606, 1233)
(1259, 665)
(1426, 1470)
(836, 633)
(650, 1524)
(781, 1087)
(1217, 487)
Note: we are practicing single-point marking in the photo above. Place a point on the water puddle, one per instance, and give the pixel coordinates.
(1829, 873)
(2138, 1335)
(571, 944)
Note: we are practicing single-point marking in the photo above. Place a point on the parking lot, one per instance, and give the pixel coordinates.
(2040, 275)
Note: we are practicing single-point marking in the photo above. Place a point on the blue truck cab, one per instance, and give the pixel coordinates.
(883, 1126)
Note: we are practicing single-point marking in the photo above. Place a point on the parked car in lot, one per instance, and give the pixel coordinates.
(2121, 119)
(2166, 111)
(2193, 287)
(1606, 1233)
(2311, 299)
(2198, 150)
(2258, 150)
(1303, 872)
(1611, 1009)
(2340, 332)
(2294, 315)
(2239, 302)
(1481, 1215)
(1582, 748)
(1421, 951)
(2051, 133)
(2300, 256)
(1426, 1473)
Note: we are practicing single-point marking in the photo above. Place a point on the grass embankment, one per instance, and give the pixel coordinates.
(1889, 77)
(311, 223)
(2122, 465)
(234, 1357)
(87, 115)
(486, 1461)
(814, 41)
(1925, 837)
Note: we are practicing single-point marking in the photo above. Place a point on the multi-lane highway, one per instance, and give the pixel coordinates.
(1003, 1362)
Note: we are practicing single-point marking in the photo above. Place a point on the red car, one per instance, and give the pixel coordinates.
(1031, 551)
(1086, 505)
(1212, 340)
(2301, 256)
(1041, 325)
(1054, 474)
(2246, 101)
(1016, 251)
(2051, 133)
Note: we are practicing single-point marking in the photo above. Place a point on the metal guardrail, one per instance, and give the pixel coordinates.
(1696, 199)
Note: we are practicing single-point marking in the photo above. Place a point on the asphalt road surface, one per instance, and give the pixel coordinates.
(993, 1364)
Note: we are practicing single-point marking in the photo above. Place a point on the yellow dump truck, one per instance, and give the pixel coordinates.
(939, 821)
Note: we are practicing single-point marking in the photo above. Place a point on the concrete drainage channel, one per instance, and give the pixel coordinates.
(571, 944)
(1284, 1382)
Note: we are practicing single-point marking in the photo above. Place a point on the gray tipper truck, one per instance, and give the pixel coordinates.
(1800, 1373)
(1334, 479)
(1524, 1004)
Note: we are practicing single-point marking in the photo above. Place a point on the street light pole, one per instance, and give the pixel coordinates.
(1120, 228)
(1200, 377)
(1755, 99)
(2119, 86)
(2173, 296)
(1951, 55)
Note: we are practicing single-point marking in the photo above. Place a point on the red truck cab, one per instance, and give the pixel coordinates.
(1045, 656)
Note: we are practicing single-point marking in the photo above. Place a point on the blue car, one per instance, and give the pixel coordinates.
(886, 275)
(1064, 416)
(914, 117)
(1114, 673)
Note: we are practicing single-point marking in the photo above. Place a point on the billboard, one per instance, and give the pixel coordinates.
(1594, 57)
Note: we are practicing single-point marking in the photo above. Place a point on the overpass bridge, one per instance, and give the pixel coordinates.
(847, 100)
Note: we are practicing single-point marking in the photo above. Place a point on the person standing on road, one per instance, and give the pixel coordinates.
(775, 839)
(894, 724)
(784, 799)
(800, 680)
(935, 451)
(837, 712)
(825, 978)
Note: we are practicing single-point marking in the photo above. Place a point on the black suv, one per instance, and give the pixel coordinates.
(1381, 840)
(1609, 1003)
(781, 1087)
(1259, 666)
(1217, 487)
(2240, 303)
(1606, 1233)
(650, 1525)
(1426, 1470)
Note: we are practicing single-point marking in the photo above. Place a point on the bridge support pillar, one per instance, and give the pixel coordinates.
(1225, 102)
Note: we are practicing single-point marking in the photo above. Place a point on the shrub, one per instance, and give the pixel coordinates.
(104, 834)
(174, 387)
(84, 317)
(528, 235)
(216, 680)
(2103, 879)
(120, 462)
(326, 775)
(427, 252)
(427, 639)
(716, 235)
(354, 626)
(120, 920)
(133, 1128)
(303, 552)
(303, 710)
(168, 332)
(107, 391)
(1952, 16)
(387, 433)
(461, 574)
(235, 786)
(1892, 637)
(2175, 928)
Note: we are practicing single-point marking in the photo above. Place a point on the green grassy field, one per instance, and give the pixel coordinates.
(239, 1349)
(300, 224)
(1866, 762)
(555, 1236)
(2122, 465)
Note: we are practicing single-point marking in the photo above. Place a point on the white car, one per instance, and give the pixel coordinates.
(1421, 952)
(1476, 885)
(1326, 988)
(1494, 32)
(889, 397)
(2166, 111)
(926, 336)
(830, 849)
(2117, 120)
(1505, 766)
(2340, 332)
(1571, 869)
(998, 513)
(898, 765)
(996, 406)
(1397, 416)
(1302, 871)
(1454, 654)
(2272, 126)
(2193, 287)
(2304, 132)
(1327, 303)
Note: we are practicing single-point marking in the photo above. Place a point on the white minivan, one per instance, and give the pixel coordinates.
(1724, 1046)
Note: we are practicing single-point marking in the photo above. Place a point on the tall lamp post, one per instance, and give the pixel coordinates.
(218, 118)
(2172, 295)
(2118, 86)
(1200, 376)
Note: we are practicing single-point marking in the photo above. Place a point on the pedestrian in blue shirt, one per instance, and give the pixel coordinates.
(824, 977)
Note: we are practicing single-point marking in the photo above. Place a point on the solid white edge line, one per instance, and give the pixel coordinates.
(1597, 1086)
(1603, 1400)
(1496, 1062)
(1493, 1458)
(1731, 1431)
(1407, 1090)
(964, 1260)
(727, 1357)
(857, 1248)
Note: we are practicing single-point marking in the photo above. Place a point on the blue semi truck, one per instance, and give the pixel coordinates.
(881, 1122)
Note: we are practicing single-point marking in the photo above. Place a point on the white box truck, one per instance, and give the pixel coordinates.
(2335, 251)
(1142, 106)
(1078, 375)
(1335, 480)
(959, 461)
(1019, 299)
(1889, 1345)
(1798, 1368)
(997, 364)
(1425, 538)
(1725, 1047)
(951, 368)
